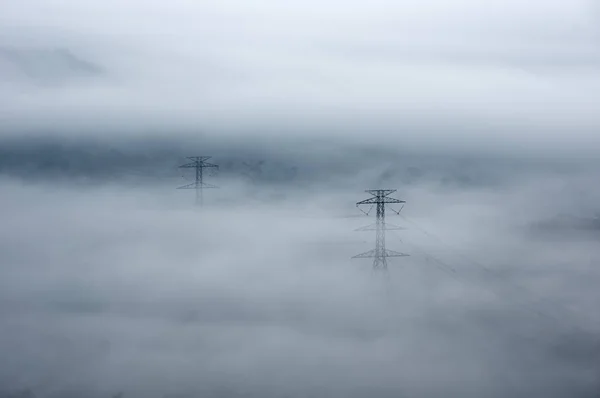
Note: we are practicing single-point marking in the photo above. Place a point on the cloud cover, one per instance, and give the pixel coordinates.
(114, 288)
(496, 75)
(110, 281)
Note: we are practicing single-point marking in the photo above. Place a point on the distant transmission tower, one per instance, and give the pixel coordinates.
(254, 170)
(199, 163)
(380, 253)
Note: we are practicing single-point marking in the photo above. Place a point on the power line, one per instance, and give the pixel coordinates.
(199, 163)
(526, 305)
(380, 253)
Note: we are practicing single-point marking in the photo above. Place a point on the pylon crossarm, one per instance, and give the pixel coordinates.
(387, 253)
(370, 201)
(391, 253)
(195, 164)
(369, 254)
(189, 166)
(189, 186)
(205, 185)
(375, 200)
(385, 226)
(198, 158)
(383, 192)
(198, 186)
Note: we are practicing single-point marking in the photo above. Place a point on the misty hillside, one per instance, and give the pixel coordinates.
(159, 159)
(44, 66)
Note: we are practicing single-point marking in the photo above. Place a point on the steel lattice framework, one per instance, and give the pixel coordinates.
(199, 163)
(379, 200)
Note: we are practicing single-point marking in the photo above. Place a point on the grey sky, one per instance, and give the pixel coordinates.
(470, 74)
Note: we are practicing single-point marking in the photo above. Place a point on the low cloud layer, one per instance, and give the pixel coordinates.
(120, 288)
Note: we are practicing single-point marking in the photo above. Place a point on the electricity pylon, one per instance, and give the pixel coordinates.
(380, 253)
(199, 163)
(254, 170)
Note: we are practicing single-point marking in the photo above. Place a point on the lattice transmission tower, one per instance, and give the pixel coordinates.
(379, 200)
(199, 163)
(253, 171)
